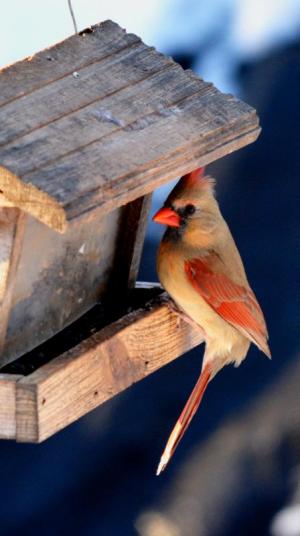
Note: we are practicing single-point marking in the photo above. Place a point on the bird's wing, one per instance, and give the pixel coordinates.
(234, 303)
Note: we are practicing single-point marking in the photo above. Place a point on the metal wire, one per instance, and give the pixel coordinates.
(73, 16)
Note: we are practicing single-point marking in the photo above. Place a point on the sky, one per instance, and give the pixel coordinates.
(31, 25)
(232, 28)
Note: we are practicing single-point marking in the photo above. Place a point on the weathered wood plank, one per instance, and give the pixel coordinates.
(128, 121)
(129, 245)
(102, 117)
(15, 239)
(8, 405)
(137, 219)
(59, 278)
(70, 93)
(71, 55)
(7, 229)
(141, 155)
(100, 367)
(66, 274)
(28, 198)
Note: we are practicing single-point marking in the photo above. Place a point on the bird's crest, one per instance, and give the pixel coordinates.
(192, 178)
(192, 184)
(197, 178)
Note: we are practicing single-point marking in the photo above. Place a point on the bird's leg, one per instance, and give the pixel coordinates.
(181, 315)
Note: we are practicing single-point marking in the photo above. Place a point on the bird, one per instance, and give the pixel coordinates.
(200, 267)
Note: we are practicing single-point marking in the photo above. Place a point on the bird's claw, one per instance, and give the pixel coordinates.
(181, 316)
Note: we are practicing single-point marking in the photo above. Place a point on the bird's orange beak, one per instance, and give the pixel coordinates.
(167, 216)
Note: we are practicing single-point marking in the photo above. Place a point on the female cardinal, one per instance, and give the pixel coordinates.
(200, 267)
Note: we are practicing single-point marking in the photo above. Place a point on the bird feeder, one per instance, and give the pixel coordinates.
(89, 128)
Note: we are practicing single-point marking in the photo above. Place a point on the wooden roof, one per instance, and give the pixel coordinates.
(101, 119)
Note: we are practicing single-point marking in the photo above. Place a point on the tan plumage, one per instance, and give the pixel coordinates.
(200, 267)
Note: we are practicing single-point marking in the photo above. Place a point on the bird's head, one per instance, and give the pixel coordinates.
(191, 207)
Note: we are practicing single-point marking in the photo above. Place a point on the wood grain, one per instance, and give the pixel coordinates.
(112, 108)
(8, 384)
(70, 94)
(54, 63)
(81, 379)
(16, 235)
(7, 231)
(128, 120)
(58, 278)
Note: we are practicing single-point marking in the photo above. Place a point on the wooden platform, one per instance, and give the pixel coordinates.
(101, 119)
(41, 394)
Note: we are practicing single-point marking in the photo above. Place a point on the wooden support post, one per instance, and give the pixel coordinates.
(132, 230)
(12, 224)
(135, 219)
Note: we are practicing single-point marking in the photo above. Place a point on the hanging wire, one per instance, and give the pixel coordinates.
(73, 16)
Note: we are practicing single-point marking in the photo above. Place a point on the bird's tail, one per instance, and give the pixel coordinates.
(185, 418)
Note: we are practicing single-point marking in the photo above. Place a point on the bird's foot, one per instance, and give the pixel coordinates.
(182, 316)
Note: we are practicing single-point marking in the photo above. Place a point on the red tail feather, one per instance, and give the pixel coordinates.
(185, 418)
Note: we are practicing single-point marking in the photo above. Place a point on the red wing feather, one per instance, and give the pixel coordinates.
(234, 303)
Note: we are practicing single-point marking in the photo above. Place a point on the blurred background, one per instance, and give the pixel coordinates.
(237, 471)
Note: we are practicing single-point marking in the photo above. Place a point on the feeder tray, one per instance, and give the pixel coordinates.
(89, 129)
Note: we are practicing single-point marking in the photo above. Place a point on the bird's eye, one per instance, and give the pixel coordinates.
(190, 209)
